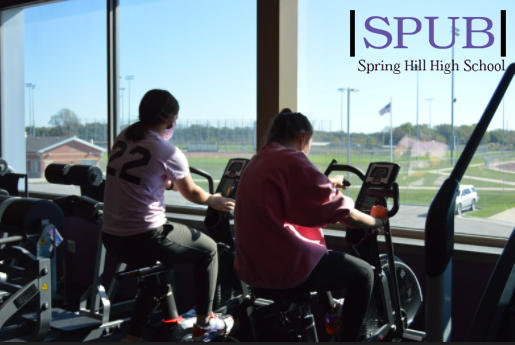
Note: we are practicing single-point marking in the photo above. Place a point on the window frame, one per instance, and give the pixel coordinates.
(277, 32)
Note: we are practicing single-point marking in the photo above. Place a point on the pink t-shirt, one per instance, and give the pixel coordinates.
(282, 203)
(137, 173)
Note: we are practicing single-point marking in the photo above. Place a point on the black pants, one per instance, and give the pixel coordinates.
(170, 244)
(337, 270)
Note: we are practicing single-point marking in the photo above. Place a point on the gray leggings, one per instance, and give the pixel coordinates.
(172, 243)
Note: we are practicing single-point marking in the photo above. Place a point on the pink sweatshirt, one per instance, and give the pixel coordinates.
(282, 203)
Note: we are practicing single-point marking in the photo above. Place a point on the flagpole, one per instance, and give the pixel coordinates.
(391, 132)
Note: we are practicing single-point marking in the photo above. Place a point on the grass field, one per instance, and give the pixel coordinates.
(413, 177)
(492, 203)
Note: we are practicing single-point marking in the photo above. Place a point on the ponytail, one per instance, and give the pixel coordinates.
(136, 131)
(287, 126)
(155, 107)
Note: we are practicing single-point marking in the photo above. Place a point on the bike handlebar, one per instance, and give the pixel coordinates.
(387, 193)
(205, 175)
(342, 167)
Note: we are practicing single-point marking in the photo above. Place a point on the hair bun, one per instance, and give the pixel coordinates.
(286, 111)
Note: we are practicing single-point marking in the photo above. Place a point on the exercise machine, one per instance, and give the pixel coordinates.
(9, 179)
(156, 277)
(397, 296)
(30, 277)
(93, 319)
(495, 316)
(152, 277)
(496, 311)
(232, 295)
(250, 305)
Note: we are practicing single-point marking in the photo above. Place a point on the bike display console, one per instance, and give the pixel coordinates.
(380, 175)
(231, 177)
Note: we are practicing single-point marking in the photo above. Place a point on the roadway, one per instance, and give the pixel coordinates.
(414, 216)
(409, 216)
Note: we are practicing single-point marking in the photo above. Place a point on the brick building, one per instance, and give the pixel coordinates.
(42, 151)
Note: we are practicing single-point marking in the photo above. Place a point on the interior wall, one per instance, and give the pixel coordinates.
(12, 74)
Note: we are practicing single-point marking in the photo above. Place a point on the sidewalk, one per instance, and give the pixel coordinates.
(506, 216)
(474, 178)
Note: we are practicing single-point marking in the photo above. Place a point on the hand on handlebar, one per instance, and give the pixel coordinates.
(339, 182)
(379, 212)
(220, 203)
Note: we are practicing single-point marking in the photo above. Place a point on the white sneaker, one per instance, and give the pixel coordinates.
(218, 326)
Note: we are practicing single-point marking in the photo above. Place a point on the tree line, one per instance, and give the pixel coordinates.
(66, 123)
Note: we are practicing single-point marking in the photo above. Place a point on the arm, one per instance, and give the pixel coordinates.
(171, 186)
(309, 198)
(359, 220)
(191, 192)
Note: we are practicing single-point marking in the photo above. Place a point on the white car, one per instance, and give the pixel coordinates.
(466, 199)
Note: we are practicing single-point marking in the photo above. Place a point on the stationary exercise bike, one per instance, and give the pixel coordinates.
(396, 298)
(154, 279)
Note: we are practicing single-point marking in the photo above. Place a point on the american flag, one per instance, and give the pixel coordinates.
(386, 109)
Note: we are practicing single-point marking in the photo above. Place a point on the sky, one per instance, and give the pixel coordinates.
(325, 64)
(204, 52)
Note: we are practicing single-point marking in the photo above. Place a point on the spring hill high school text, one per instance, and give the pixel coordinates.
(430, 65)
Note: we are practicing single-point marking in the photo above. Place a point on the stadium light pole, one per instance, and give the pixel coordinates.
(391, 131)
(502, 150)
(455, 32)
(29, 87)
(430, 128)
(348, 89)
(33, 115)
(121, 96)
(129, 78)
(341, 116)
(416, 141)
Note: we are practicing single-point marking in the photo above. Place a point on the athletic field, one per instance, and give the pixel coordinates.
(419, 180)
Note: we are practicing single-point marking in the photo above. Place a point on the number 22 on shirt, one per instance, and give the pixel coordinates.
(124, 175)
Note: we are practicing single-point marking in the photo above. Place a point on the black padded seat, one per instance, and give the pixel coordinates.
(141, 268)
(136, 263)
(282, 295)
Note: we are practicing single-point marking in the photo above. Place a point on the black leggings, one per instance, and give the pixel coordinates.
(337, 270)
(170, 244)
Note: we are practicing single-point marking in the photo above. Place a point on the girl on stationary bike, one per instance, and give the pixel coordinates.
(142, 164)
(284, 201)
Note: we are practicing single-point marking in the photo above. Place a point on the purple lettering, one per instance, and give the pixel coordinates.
(432, 32)
(378, 31)
(470, 31)
(400, 30)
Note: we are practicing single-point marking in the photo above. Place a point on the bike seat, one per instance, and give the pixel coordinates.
(283, 295)
(138, 262)
(143, 269)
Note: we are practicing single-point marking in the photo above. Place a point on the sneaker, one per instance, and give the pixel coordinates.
(333, 321)
(218, 326)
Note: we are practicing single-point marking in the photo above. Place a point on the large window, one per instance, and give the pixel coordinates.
(204, 53)
(54, 110)
(55, 96)
(416, 104)
(54, 59)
